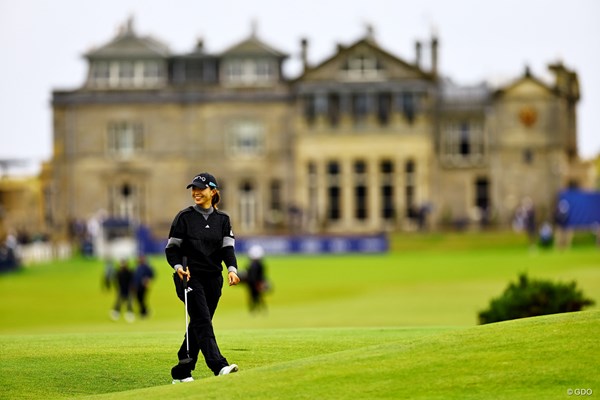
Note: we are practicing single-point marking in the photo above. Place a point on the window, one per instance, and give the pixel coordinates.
(482, 195)
(333, 191)
(100, 73)
(234, 71)
(126, 73)
(359, 107)
(248, 206)
(409, 106)
(264, 71)
(309, 108)
(125, 201)
(409, 178)
(125, 138)
(333, 109)
(362, 67)
(276, 201)
(250, 71)
(462, 143)
(360, 190)
(387, 189)
(384, 104)
(312, 174)
(313, 192)
(151, 72)
(528, 156)
(246, 138)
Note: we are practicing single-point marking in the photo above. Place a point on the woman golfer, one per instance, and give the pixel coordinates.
(200, 240)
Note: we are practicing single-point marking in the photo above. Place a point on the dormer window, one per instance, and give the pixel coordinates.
(100, 73)
(361, 67)
(152, 72)
(249, 72)
(126, 74)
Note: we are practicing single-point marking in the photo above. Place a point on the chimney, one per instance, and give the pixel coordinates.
(370, 32)
(434, 56)
(304, 53)
(418, 54)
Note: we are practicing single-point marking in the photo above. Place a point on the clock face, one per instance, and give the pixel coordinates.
(528, 116)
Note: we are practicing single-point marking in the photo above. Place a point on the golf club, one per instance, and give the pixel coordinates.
(188, 359)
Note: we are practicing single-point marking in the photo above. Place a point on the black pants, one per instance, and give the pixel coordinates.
(123, 296)
(141, 298)
(202, 301)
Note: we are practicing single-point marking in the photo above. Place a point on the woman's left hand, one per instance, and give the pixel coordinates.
(233, 279)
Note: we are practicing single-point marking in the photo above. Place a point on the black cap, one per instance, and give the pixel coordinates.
(203, 181)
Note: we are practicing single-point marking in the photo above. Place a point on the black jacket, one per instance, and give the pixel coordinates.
(204, 242)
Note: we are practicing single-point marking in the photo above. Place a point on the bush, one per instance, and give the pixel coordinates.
(530, 297)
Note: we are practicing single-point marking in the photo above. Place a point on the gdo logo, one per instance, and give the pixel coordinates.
(580, 392)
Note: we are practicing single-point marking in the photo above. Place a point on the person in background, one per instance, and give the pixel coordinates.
(525, 220)
(561, 221)
(141, 282)
(255, 278)
(124, 279)
(108, 276)
(546, 235)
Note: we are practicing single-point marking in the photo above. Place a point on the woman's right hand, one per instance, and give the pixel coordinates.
(181, 272)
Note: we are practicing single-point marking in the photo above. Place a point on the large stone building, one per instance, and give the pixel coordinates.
(362, 142)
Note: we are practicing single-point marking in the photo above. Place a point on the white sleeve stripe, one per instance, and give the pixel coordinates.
(174, 242)
(228, 241)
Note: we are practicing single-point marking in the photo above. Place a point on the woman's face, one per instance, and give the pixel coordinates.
(202, 197)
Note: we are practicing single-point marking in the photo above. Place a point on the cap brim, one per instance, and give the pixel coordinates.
(204, 186)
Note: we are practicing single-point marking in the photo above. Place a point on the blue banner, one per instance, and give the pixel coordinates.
(578, 209)
(315, 244)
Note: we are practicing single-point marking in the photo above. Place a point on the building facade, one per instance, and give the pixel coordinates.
(362, 142)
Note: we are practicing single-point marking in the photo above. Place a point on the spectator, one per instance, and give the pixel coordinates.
(109, 273)
(124, 279)
(561, 220)
(546, 235)
(255, 278)
(141, 282)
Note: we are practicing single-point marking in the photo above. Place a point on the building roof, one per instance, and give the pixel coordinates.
(127, 44)
(527, 77)
(253, 46)
(197, 53)
(369, 42)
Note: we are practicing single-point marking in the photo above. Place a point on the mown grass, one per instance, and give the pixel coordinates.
(534, 358)
(399, 325)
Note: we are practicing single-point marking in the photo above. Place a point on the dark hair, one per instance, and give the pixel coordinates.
(216, 198)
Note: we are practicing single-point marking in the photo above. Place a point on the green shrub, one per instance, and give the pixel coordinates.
(531, 297)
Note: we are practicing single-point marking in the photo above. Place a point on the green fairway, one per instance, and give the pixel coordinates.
(399, 325)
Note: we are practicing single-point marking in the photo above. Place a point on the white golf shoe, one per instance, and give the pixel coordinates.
(229, 369)
(188, 379)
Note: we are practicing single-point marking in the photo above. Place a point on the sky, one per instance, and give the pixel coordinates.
(42, 44)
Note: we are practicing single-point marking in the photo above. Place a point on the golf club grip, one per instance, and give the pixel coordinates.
(185, 281)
